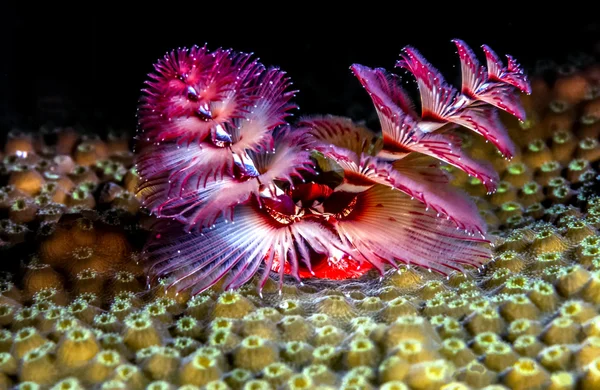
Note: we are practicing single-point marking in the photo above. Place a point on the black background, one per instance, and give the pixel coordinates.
(87, 63)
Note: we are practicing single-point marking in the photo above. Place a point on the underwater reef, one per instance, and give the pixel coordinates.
(80, 309)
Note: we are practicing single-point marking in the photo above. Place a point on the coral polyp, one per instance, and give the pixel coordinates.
(240, 191)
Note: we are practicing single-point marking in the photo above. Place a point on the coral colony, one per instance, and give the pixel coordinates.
(238, 189)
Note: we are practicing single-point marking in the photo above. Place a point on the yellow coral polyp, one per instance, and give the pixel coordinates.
(546, 260)
(277, 374)
(299, 381)
(509, 260)
(483, 341)
(26, 179)
(591, 376)
(25, 340)
(50, 294)
(295, 328)
(107, 322)
(409, 327)
(592, 327)
(199, 306)
(393, 368)
(548, 240)
(297, 353)
(8, 364)
(237, 377)
(362, 352)
(579, 311)
(588, 351)
(70, 383)
(590, 241)
(397, 307)
(519, 306)
(270, 313)
(291, 307)
(320, 374)
(526, 373)
(131, 375)
(522, 327)
(254, 353)
(517, 174)
(499, 355)
(256, 324)
(370, 304)
(326, 354)
(476, 374)
(39, 276)
(88, 280)
(232, 305)
(25, 317)
(336, 306)
(352, 381)
(358, 322)
(485, 320)
(328, 334)
(224, 339)
(188, 326)
(158, 312)
(544, 296)
(184, 345)
(562, 330)
(498, 277)
(222, 324)
(516, 285)
(556, 358)
(451, 327)
(394, 385)
(588, 254)
(7, 312)
(121, 308)
(102, 366)
(82, 310)
(414, 351)
(38, 366)
(113, 341)
(562, 380)
(505, 192)
(572, 279)
(162, 363)
(429, 374)
(431, 288)
(140, 331)
(6, 340)
(457, 351)
(76, 348)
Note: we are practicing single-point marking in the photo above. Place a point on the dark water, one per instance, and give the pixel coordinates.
(87, 65)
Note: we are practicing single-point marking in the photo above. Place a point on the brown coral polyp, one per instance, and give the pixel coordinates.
(26, 179)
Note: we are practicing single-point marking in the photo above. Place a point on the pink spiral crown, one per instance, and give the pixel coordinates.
(239, 192)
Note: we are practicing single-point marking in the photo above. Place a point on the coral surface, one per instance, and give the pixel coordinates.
(76, 311)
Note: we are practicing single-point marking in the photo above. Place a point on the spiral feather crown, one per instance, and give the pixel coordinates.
(238, 192)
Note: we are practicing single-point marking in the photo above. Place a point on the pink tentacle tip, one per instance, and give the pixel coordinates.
(241, 194)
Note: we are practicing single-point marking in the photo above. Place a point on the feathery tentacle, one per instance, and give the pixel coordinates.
(387, 227)
(443, 104)
(236, 251)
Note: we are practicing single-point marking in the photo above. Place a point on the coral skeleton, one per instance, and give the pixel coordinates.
(239, 191)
